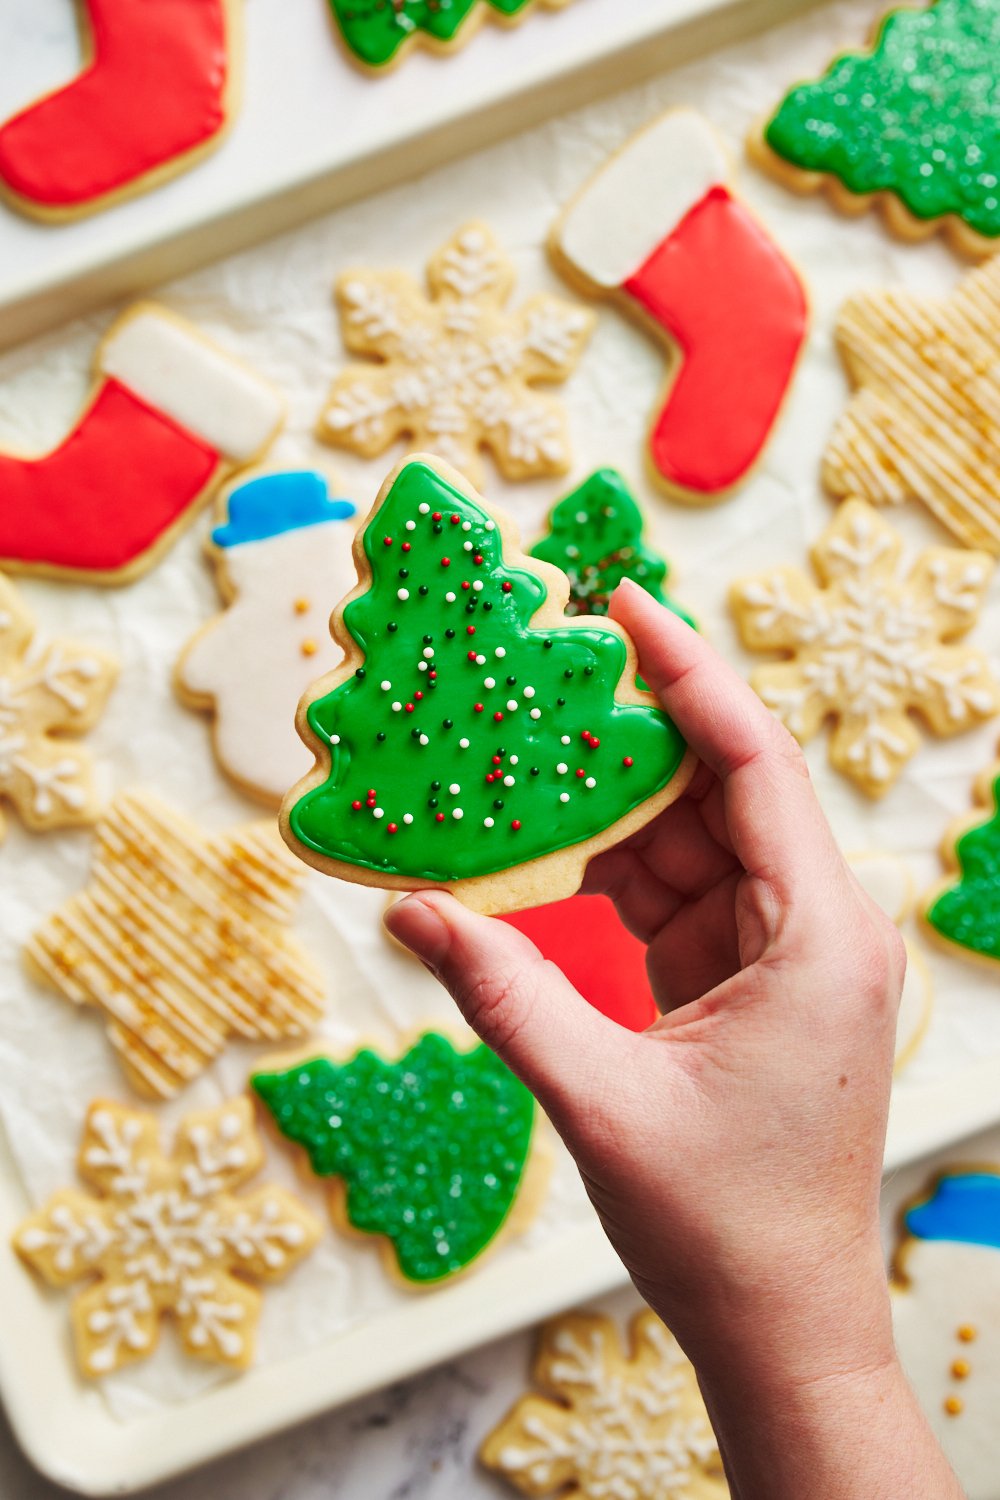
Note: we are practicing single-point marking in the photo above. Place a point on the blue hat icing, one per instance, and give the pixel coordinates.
(274, 503)
(964, 1207)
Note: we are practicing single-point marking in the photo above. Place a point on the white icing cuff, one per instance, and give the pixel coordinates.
(167, 364)
(640, 196)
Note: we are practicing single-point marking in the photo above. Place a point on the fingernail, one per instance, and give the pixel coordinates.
(420, 926)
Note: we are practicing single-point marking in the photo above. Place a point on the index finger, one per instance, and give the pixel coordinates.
(776, 825)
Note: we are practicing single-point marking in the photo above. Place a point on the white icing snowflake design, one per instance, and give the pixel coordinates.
(47, 692)
(621, 1427)
(456, 370)
(870, 644)
(164, 1235)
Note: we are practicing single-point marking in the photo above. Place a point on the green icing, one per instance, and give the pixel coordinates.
(432, 1148)
(375, 29)
(918, 116)
(493, 743)
(969, 912)
(595, 537)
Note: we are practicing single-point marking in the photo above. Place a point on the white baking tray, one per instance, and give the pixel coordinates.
(314, 131)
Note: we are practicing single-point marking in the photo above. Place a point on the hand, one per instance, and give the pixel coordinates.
(733, 1150)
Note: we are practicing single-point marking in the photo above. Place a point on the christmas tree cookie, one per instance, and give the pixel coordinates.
(378, 33)
(454, 370)
(963, 911)
(869, 645)
(595, 537)
(473, 736)
(912, 125)
(429, 1151)
(280, 553)
(166, 1236)
(610, 1422)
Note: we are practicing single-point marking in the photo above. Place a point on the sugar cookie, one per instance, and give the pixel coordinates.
(164, 1236)
(378, 35)
(473, 736)
(963, 910)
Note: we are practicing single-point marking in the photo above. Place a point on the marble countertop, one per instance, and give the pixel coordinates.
(413, 1441)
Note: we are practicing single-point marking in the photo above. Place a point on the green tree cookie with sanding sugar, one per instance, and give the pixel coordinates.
(376, 29)
(431, 1149)
(966, 912)
(473, 735)
(917, 116)
(595, 536)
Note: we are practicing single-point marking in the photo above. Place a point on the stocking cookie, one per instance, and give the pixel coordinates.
(912, 125)
(47, 691)
(612, 1423)
(924, 423)
(86, 145)
(595, 536)
(429, 1152)
(181, 940)
(378, 35)
(963, 910)
(473, 736)
(169, 418)
(453, 370)
(659, 230)
(282, 551)
(868, 645)
(946, 1317)
(165, 1236)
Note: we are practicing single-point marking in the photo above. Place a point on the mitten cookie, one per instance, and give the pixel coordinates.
(473, 737)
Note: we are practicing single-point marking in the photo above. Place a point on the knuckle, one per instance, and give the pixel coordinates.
(493, 1005)
(880, 959)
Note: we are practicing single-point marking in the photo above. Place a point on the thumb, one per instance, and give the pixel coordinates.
(519, 1003)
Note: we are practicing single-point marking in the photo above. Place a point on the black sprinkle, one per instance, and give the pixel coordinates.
(423, 590)
(360, 672)
(447, 723)
(498, 804)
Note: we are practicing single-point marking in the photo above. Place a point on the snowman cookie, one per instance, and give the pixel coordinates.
(946, 1316)
(281, 552)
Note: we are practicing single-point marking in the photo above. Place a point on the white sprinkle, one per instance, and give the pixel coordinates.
(424, 508)
(512, 759)
(562, 768)
(564, 740)
(508, 781)
(480, 661)
(467, 546)
(581, 517)
(386, 685)
(564, 796)
(411, 525)
(423, 740)
(487, 822)
(466, 525)
(396, 707)
(450, 598)
(457, 813)
(407, 817)
(590, 782)
(477, 584)
(511, 704)
(463, 744)
(421, 666)
(489, 682)
(529, 692)
(335, 739)
(378, 812)
(428, 652)
(454, 789)
(536, 713)
(402, 593)
(490, 526)
(500, 651)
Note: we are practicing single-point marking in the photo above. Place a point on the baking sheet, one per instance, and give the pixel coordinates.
(337, 1327)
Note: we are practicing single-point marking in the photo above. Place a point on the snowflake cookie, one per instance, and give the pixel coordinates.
(613, 1425)
(869, 644)
(180, 938)
(924, 423)
(47, 692)
(455, 370)
(163, 1235)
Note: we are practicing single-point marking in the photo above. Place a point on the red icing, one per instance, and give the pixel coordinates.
(153, 92)
(599, 956)
(737, 309)
(103, 497)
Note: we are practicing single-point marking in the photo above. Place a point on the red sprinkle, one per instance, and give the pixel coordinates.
(580, 772)
(477, 558)
(418, 696)
(356, 806)
(387, 541)
(489, 778)
(627, 761)
(477, 708)
(406, 546)
(446, 562)
(371, 791)
(496, 760)
(466, 585)
(432, 675)
(594, 742)
(470, 656)
(506, 587)
(470, 629)
(497, 717)
(408, 709)
(439, 817)
(436, 516)
(455, 520)
(392, 828)
(516, 824)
